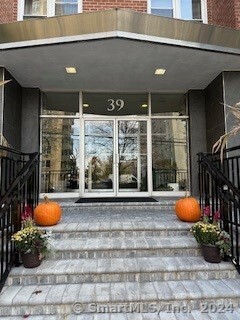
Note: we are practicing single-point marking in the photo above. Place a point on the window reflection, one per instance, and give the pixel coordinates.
(191, 9)
(162, 8)
(60, 155)
(35, 8)
(132, 150)
(115, 104)
(66, 7)
(168, 104)
(98, 155)
(169, 154)
(60, 103)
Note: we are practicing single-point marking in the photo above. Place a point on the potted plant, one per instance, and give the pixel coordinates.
(215, 242)
(32, 243)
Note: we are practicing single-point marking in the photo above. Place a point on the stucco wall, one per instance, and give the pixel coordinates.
(197, 130)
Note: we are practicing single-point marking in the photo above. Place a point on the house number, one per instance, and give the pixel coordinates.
(115, 104)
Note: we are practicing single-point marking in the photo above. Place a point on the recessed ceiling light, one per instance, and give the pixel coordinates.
(160, 71)
(70, 69)
(86, 105)
(144, 105)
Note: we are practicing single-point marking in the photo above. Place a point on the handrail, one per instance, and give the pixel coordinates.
(18, 179)
(220, 175)
(219, 190)
(20, 190)
(224, 151)
(14, 151)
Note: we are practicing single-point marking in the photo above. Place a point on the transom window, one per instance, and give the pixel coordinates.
(182, 9)
(29, 9)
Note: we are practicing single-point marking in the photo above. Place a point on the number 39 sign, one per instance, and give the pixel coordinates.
(115, 105)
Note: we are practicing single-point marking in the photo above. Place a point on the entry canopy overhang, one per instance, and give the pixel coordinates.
(117, 50)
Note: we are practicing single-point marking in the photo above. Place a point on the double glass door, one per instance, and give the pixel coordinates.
(115, 157)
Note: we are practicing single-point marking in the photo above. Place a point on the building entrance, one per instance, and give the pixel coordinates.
(113, 144)
(115, 156)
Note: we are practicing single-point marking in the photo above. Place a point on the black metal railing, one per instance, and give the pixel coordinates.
(19, 180)
(219, 189)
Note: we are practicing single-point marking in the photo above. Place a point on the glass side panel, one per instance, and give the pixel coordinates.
(35, 7)
(191, 9)
(60, 103)
(169, 154)
(60, 155)
(115, 104)
(168, 104)
(99, 148)
(132, 153)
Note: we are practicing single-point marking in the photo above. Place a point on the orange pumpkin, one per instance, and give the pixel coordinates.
(188, 209)
(47, 213)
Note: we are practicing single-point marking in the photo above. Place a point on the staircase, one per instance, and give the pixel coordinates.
(116, 261)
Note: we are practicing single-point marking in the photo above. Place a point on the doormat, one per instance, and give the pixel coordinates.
(100, 200)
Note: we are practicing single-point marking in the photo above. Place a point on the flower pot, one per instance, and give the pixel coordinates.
(30, 260)
(211, 253)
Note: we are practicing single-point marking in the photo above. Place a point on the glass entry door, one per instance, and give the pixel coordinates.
(115, 157)
(99, 156)
(132, 155)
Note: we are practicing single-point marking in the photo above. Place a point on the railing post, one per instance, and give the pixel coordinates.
(225, 214)
(16, 218)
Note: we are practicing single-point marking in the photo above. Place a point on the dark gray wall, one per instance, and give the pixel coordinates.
(232, 96)
(196, 104)
(1, 100)
(12, 111)
(215, 123)
(30, 120)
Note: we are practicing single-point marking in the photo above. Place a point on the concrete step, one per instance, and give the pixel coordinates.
(119, 229)
(115, 213)
(124, 247)
(121, 270)
(164, 204)
(122, 297)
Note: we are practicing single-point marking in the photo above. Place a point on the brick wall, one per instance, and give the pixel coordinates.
(137, 5)
(224, 13)
(237, 13)
(8, 10)
(220, 12)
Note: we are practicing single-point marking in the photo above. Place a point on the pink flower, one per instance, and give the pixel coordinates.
(27, 212)
(206, 211)
(216, 216)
